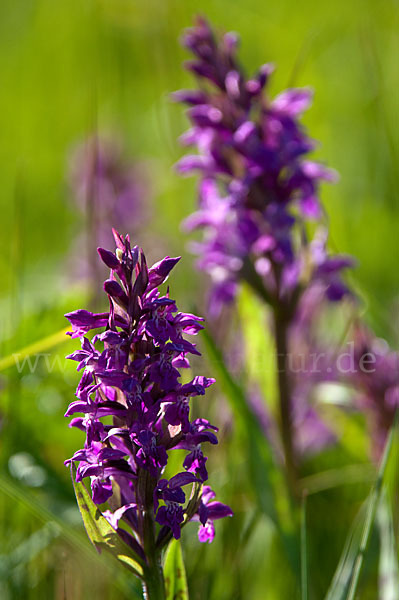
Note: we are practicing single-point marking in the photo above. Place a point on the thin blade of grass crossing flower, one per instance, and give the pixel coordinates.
(35, 348)
(343, 573)
(334, 478)
(175, 573)
(371, 513)
(388, 566)
(387, 518)
(347, 575)
(271, 493)
(100, 532)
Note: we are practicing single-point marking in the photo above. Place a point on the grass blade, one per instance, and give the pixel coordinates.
(343, 573)
(346, 579)
(304, 551)
(388, 567)
(175, 573)
(35, 348)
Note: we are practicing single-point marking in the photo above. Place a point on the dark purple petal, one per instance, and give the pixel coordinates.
(108, 258)
(101, 490)
(217, 510)
(113, 288)
(83, 320)
(182, 479)
(189, 97)
(171, 515)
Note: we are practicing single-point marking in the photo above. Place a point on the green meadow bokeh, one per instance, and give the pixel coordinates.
(71, 68)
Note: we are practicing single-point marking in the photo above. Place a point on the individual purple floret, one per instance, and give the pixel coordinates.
(208, 512)
(256, 180)
(136, 411)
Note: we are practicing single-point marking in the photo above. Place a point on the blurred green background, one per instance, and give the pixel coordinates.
(70, 68)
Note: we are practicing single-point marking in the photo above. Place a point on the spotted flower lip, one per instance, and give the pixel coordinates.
(135, 409)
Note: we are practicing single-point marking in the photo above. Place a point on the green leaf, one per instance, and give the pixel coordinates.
(391, 479)
(344, 571)
(100, 532)
(174, 573)
(347, 575)
(260, 346)
(388, 567)
(304, 552)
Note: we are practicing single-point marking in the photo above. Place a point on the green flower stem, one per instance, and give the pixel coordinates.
(153, 585)
(284, 391)
(281, 317)
(153, 580)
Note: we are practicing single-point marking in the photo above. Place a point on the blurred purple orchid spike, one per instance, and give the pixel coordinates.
(257, 186)
(136, 411)
(106, 188)
(258, 190)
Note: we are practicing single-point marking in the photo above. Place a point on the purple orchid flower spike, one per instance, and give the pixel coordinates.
(105, 187)
(258, 190)
(256, 182)
(136, 412)
(117, 188)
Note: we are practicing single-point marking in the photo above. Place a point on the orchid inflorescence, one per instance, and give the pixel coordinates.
(258, 193)
(136, 411)
(106, 187)
(257, 186)
(263, 223)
